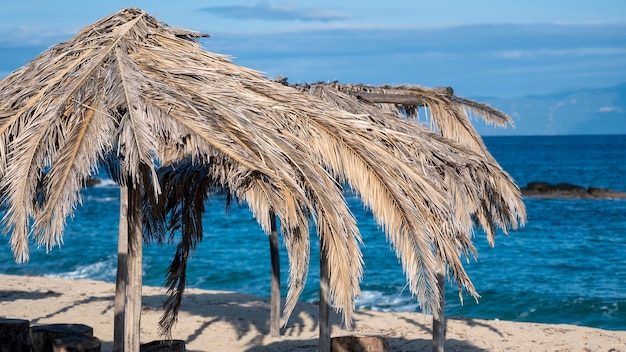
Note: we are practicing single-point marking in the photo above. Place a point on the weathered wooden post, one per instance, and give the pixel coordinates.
(122, 273)
(127, 319)
(324, 313)
(439, 324)
(275, 296)
(135, 252)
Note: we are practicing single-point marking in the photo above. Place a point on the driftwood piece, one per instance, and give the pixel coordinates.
(359, 344)
(14, 335)
(76, 343)
(163, 346)
(42, 336)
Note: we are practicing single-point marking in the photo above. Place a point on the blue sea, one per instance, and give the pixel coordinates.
(567, 265)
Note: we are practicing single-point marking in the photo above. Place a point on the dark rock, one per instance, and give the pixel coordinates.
(541, 189)
(92, 181)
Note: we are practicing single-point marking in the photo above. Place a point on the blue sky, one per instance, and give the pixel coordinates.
(480, 48)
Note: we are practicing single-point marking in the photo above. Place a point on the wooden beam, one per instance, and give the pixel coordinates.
(390, 98)
(401, 98)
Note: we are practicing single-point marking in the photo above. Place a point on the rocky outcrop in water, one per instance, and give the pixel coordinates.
(93, 181)
(540, 189)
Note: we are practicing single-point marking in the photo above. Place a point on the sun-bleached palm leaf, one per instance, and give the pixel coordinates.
(488, 113)
(480, 190)
(413, 239)
(449, 116)
(446, 113)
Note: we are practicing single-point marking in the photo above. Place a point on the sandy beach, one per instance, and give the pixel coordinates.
(229, 321)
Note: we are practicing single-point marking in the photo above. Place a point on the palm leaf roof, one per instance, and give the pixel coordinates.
(132, 93)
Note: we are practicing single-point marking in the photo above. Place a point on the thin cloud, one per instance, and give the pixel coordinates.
(482, 60)
(270, 12)
(610, 109)
(33, 36)
(590, 51)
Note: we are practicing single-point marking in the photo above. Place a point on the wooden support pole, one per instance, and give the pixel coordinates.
(122, 273)
(275, 296)
(439, 325)
(324, 313)
(133, 291)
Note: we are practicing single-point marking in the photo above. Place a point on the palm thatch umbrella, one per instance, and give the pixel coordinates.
(449, 116)
(481, 191)
(131, 93)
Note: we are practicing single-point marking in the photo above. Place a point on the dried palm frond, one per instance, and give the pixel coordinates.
(488, 113)
(452, 120)
(448, 114)
(481, 192)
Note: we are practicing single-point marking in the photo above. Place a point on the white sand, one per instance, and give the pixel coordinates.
(228, 321)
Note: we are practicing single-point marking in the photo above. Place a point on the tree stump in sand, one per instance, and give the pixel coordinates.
(358, 344)
(76, 343)
(42, 336)
(163, 346)
(14, 335)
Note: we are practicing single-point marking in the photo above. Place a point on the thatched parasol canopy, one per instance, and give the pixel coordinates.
(131, 93)
(480, 192)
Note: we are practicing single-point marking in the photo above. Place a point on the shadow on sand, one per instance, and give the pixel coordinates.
(249, 316)
(6, 296)
(396, 344)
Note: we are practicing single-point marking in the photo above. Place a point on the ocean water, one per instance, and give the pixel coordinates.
(567, 265)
